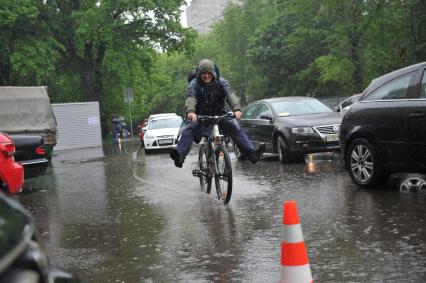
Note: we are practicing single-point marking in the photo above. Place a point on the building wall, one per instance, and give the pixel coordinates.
(202, 14)
(79, 125)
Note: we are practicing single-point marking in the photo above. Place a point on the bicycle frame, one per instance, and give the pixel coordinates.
(211, 161)
(215, 138)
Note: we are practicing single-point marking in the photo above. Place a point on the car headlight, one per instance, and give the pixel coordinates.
(302, 130)
(149, 136)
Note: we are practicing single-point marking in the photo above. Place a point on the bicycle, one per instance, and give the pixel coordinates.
(214, 160)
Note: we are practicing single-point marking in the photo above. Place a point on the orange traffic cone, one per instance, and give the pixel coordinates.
(294, 258)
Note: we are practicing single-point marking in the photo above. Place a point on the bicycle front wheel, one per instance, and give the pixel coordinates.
(205, 176)
(223, 178)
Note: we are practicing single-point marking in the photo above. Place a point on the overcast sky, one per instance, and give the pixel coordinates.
(183, 16)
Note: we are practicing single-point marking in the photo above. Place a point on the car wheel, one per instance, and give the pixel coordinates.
(283, 154)
(238, 153)
(413, 184)
(364, 165)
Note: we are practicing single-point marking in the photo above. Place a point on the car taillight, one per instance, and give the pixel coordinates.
(40, 150)
(7, 149)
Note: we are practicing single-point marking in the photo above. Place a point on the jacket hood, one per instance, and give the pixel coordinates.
(207, 65)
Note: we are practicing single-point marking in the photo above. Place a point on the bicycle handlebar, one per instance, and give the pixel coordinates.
(216, 117)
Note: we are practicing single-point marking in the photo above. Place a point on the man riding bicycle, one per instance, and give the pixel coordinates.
(207, 94)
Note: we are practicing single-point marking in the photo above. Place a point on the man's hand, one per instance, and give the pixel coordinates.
(238, 114)
(192, 117)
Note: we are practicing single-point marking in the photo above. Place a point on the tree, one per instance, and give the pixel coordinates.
(317, 48)
(232, 37)
(28, 52)
(92, 30)
(285, 50)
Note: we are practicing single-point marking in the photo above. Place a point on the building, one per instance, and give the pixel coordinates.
(202, 14)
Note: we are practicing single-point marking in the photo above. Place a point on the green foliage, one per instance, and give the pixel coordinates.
(28, 52)
(334, 69)
(34, 59)
(322, 48)
(232, 37)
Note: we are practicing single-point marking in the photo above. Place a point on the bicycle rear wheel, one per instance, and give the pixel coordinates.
(223, 180)
(205, 176)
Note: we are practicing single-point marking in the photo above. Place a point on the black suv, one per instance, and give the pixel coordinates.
(384, 132)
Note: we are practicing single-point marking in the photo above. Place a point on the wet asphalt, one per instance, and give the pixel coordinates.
(111, 215)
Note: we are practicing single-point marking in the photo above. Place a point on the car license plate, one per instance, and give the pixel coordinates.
(332, 138)
(167, 141)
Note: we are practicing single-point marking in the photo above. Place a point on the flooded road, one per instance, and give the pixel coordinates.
(122, 216)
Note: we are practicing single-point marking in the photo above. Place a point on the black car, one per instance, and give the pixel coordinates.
(384, 132)
(29, 150)
(22, 258)
(345, 104)
(291, 126)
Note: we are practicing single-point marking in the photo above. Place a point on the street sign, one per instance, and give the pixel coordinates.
(128, 95)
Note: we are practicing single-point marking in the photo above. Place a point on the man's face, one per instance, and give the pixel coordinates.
(206, 77)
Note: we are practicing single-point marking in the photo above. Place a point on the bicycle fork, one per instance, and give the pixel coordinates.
(211, 164)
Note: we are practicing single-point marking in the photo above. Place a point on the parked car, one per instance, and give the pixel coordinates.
(345, 104)
(11, 172)
(153, 116)
(161, 132)
(22, 258)
(146, 122)
(141, 132)
(30, 152)
(385, 131)
(291, 126)
(27, 111)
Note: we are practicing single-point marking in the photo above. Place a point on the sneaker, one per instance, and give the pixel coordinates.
(174, 154)
(255, 155)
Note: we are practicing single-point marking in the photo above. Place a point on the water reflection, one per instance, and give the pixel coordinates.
(199, 233)
(311, 167)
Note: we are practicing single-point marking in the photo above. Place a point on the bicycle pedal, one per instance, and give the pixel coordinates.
(196, 173)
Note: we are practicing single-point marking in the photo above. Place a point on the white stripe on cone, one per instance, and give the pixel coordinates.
(296, 274)
(292, 233)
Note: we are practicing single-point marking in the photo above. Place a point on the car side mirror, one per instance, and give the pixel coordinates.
(337, 109)
(266, 116)
(144, 129)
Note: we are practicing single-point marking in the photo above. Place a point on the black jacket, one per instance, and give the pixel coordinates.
(210, 99)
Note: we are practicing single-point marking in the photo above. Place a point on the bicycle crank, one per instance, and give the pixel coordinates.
(197, 173)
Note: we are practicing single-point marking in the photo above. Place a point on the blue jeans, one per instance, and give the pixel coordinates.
(196, 131)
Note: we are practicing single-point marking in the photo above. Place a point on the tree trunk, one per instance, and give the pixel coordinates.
(88, 74)
(92, 71)
(100, 54)
(5, 74)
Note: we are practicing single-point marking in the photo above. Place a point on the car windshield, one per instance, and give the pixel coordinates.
(300, 107)
(165, 123)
